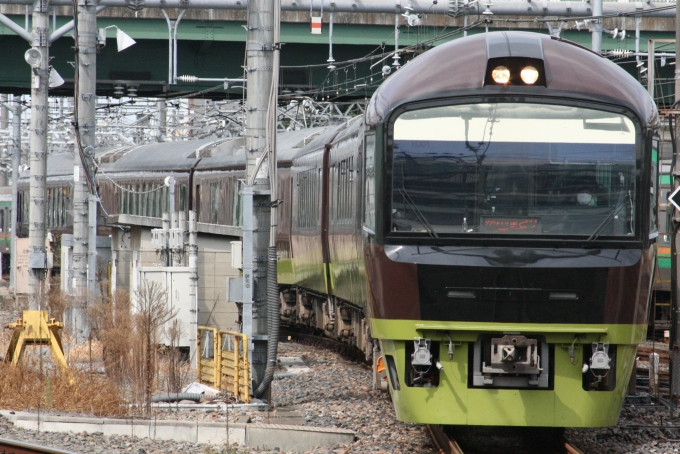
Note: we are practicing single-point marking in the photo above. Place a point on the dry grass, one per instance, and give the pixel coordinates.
(123, 344)
(24, 387)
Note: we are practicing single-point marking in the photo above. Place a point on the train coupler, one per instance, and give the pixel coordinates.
(511, 361)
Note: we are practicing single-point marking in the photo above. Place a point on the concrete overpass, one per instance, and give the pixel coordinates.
(211, 44)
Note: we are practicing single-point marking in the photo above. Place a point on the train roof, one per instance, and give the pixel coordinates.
(61, 164)
(163, 156)
(232, 153)
(213, 153)
(459, 67)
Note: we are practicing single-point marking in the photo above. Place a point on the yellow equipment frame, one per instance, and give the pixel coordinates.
(228, 367)
(35, 329)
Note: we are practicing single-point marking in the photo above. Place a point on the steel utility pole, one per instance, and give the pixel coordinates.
(256, 192)
(16, 161)
(597, 27)
(3, 111)
(84, 251)
(38, 58)
(675, 239)
(15, 150)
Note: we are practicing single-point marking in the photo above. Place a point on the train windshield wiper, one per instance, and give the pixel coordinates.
(608, 219)
(419, 214)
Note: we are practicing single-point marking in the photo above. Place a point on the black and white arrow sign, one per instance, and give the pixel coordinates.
(672, 196)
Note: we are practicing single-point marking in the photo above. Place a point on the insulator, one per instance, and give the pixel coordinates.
(188, 79)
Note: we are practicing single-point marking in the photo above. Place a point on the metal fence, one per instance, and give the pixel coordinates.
(223, 362)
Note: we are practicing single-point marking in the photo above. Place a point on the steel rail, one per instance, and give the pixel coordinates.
(442, 441)
(8, 446)
(447, 445)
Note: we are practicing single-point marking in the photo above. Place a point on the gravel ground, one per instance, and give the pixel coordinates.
(341, 397)
(335, 392)
(624, 439)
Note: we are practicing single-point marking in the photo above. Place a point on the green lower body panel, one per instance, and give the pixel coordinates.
(285, 270)
(455, 402)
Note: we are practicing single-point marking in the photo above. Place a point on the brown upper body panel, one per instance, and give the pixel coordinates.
(459, 67)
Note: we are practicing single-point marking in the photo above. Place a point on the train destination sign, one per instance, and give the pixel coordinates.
(506, 224)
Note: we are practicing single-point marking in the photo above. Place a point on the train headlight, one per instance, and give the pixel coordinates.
(529, 75)
(501, 75)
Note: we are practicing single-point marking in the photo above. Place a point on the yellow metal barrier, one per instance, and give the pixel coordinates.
(223, 361)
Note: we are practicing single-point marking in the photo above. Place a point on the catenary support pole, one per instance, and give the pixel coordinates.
(162, 120)
(259, 59)
(273, 305)
(93, 201)
(193, 290)
(38, 153)
(84, 243)
(4, 112)
(16, 161)
(597, 27)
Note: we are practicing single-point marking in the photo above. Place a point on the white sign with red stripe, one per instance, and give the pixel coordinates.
(316, 25)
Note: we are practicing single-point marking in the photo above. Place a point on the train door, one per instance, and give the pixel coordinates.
(369, 203)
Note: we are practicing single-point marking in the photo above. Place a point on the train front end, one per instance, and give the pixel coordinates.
(509, 223)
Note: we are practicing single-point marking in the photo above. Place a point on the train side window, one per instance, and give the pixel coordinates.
(49, 208)
(165, 197)
(148, 195)
(60, 206)
(183, 197)
(237, 205)
(214, 202)
(123, 200)
(317, 197)
(197, 203)
(334, 209)
(153, 200)
(369, 178)
(143, 195)
(138, 199)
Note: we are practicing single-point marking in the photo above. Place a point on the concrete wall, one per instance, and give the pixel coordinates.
(214, 265)
(274, 437)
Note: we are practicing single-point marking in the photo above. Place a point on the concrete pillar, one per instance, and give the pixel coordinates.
(38, 153)
(85, 130)
(16, 158)
(4, 112)
(259, 55)
(162, 120)
(193, 290)
(597, 27)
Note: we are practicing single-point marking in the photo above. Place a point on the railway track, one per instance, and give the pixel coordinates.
(317, 340)
(446, 444)
(8, 446)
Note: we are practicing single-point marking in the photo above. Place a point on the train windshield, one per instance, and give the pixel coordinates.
(514, 168)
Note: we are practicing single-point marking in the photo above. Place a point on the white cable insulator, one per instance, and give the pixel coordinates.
(188, 79)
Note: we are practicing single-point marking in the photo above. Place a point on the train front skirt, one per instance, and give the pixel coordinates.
(565, 396)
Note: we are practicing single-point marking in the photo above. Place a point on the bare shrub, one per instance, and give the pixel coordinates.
(172, 358)
(111, 324)
(125, 338)
(151, 312)
(55, 301)
(102, 276)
